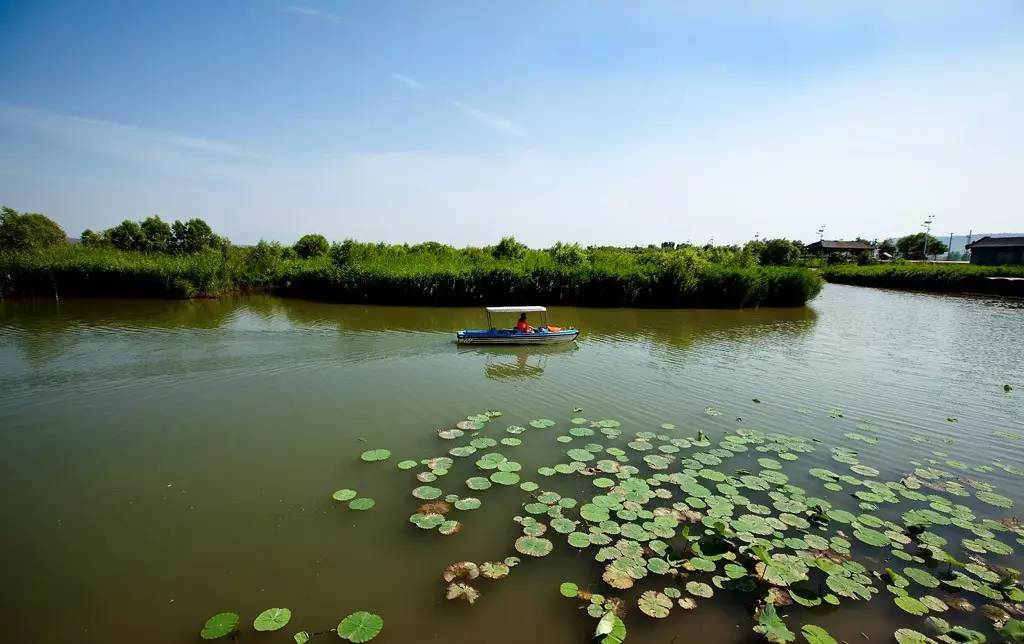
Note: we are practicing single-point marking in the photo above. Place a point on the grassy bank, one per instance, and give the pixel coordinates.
(944, 278)
(428, 274)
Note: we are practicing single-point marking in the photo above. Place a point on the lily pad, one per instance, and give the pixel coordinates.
(359, 627)
(344, 495)
(816, 634)
(569, 589)
(362, 503)
(426, 492)
(219, 625)
(272, 619)
(533, 546)
(654, 604)
(375, 455)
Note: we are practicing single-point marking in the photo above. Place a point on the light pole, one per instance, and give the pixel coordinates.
(821, 233)
(927, 232)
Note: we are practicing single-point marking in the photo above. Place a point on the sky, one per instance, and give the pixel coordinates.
(599, 122)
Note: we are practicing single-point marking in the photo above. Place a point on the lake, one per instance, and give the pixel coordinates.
(167, 460)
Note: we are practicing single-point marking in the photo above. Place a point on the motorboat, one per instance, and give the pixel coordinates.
(545, 333)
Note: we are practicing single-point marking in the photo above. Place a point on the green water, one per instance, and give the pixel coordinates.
(164, 461)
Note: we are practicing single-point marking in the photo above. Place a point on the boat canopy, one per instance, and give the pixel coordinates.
(515, 309)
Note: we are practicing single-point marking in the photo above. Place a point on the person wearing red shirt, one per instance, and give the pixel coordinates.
(522, 326)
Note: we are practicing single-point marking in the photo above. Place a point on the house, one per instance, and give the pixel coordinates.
(989, 251)
(828, 247)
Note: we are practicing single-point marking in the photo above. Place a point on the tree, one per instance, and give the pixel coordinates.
(193, 236)
(569, 254)
(312, 246)
(89, 238)
(887, 246)
(156, 234)
(30, 230)
(127, 235)
(912, 246)
(780, 252)
(509, 248)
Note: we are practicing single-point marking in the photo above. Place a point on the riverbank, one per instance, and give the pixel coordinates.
(656, 278)
(941, 278)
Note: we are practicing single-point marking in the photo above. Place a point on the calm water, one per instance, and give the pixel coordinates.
(164, 461)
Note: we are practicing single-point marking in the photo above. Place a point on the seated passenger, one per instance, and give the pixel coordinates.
(522, 326)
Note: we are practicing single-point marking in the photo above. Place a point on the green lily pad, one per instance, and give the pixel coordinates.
(911, 605)
(477, 483)
(360, 627)
(816, 635)
(362, 503)
(569, 589)
(699, 589)
(272, 619)
(770, 625)
(426, 492)
(375, 455)
(219, 625)
(533, 546)
(654, 604)
(344, 495)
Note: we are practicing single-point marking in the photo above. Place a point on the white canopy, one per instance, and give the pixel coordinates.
(515, 309)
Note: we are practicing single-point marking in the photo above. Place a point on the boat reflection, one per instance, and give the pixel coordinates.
(517, 363)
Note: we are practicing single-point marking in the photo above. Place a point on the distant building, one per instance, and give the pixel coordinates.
(989, 251)
(827, 247)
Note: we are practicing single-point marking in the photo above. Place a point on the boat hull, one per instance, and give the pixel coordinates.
(508, 338)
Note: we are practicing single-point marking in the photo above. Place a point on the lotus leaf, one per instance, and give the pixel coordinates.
(219, 625)
(272, 619)
(362, 503)
(568, 589)
(375, 455)
(654, 604)
(462, 591)
(344, 495)
(816, 635)
(533, 546)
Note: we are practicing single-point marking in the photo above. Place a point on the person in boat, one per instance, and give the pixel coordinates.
(522, 326)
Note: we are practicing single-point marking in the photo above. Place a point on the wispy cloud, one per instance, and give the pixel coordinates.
(314, 12)
(113, 135)
(409, 82)
(487, 119)
(496, 123)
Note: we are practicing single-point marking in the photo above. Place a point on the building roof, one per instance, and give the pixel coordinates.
(997, 242)
(833, 244)
(515, 309)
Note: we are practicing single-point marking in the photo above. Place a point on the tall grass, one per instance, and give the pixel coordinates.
(428, 274)
(946, 278)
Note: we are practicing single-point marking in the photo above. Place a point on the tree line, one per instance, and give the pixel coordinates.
(23, 231)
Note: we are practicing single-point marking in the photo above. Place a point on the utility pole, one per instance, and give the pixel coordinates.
(949, 247)
(927, 233)
(821, 233)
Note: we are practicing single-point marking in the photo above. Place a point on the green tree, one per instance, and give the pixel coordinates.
(912, 246)
(780, 252)
(509, 249)
(263, 259)
(156, 234)
(91, 239)
(569, 254)
(23, 231)
(193, 236)
(312, 246)
(887, 246)
(127, 235)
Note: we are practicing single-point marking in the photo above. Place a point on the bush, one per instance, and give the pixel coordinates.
(24, 231)
(311, 246)
(509, 249)
(949, 278)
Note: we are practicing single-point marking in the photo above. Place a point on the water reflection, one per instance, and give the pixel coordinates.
(516, 363)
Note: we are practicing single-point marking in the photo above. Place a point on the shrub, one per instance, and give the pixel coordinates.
(311, 246)
(23, 231)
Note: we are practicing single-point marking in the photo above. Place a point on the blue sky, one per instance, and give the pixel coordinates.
(598, 122)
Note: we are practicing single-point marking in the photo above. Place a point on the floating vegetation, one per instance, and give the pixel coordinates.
(360, 627)
(272, 619)
(375, 455)
(672, 519)
(220, 625)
